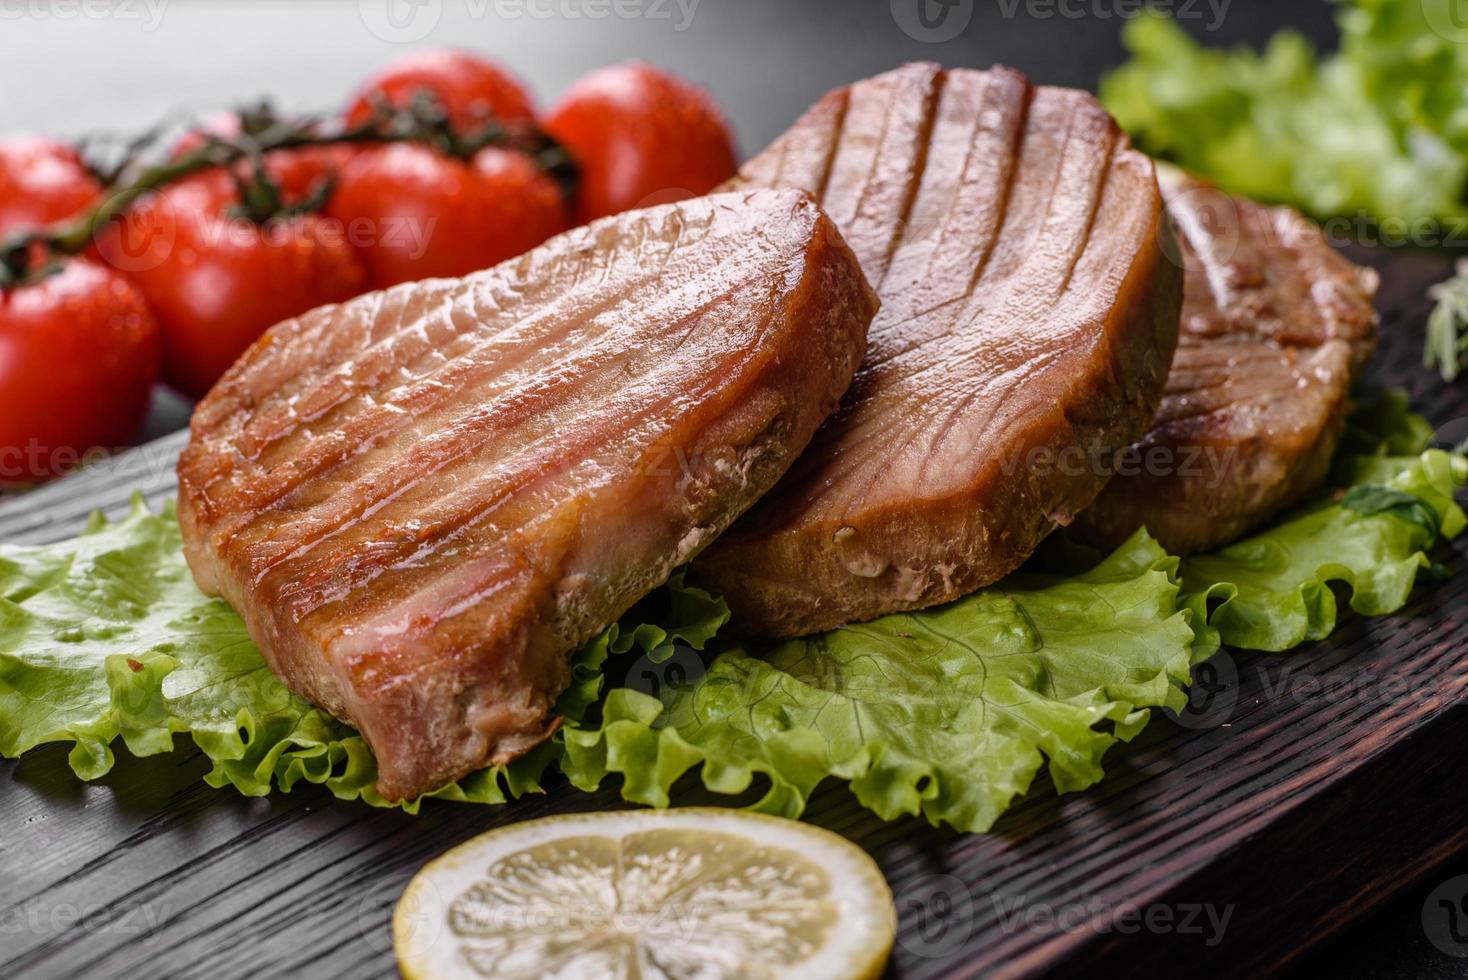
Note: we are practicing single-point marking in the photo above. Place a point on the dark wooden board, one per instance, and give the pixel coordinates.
(1312, 788)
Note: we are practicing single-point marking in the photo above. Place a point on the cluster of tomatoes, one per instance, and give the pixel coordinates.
(183, 281)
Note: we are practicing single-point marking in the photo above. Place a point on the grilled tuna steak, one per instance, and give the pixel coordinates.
(1275, 325)
(421, 500)
(1028, 321)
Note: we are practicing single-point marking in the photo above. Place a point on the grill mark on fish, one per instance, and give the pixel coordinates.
(1077, 169)
(388, 340)
(828, 159)
(465, 434)
(880, 354)
(1025, 305)
(351, 442)
(459, 526)
(446, 378)
(530, 467)
(882, 217)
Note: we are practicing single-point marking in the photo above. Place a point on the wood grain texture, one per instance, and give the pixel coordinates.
(1315, 785)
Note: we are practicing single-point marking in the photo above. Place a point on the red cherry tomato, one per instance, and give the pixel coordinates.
(78, 358)
(471, 88)
(216, 281)
(641, 136)
(302, 173)
(42, 181)
(415, 214)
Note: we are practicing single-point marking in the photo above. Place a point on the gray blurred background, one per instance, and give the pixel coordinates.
(68, 67)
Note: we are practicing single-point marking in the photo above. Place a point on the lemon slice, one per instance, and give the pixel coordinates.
(698, 892)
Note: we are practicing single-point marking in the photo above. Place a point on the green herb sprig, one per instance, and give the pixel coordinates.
(1447, 326)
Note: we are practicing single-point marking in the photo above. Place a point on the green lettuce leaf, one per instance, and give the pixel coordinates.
(1378, 128)
(1391, 498)
(1271, 591)
(1383, 426)
(106, 636)
(948, 712)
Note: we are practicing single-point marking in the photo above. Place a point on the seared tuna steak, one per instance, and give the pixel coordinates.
(1028, 321)
(1275, 325)
(423, 499)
